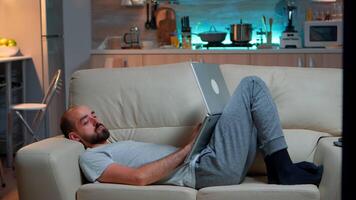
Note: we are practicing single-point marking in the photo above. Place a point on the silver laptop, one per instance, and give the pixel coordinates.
(215, 95)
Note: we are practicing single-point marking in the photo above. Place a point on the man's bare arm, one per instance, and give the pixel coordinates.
(148, 173)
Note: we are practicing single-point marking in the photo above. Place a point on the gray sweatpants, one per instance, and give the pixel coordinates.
(249, 121)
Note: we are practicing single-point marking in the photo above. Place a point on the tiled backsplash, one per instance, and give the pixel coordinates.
(109, 18)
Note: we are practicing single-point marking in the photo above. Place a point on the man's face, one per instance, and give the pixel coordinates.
(87, 128)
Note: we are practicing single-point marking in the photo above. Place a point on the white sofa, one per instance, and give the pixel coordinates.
(161, 104)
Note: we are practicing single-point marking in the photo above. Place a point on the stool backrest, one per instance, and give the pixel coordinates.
(51, 91)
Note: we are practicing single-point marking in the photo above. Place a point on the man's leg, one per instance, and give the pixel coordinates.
(250, 118)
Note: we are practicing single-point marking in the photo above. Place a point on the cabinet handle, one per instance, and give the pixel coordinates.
(311, 62)
(125, 62)
(300, 62)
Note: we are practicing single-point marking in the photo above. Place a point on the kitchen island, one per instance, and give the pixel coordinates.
(304, 57)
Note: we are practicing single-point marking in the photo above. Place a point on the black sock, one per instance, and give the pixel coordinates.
(272, 177)
(280, 169)
(308, 166)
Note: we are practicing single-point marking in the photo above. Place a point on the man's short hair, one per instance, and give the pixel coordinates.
(67, 124)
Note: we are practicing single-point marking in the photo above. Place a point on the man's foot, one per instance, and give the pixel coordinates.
(308, 166)
(295, 175)
(281, 170)
(272, 176)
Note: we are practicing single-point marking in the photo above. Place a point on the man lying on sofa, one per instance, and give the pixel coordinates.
(249, 121)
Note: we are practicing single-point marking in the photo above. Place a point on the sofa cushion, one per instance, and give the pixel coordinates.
(102, 191)
(306, 98)
(256, 188)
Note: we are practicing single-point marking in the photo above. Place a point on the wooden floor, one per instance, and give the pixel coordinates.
(9, 192)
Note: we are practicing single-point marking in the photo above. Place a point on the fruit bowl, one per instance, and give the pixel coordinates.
(8, 51)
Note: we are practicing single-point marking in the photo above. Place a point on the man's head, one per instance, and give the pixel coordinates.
(80, 123)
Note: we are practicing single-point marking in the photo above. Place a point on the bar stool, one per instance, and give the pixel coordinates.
(41, 109)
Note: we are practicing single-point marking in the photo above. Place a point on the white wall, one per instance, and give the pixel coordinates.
(77, 35)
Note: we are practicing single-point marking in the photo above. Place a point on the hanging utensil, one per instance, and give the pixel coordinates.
(264, 21)
(153, 14)
(147, 24)
(270, 24)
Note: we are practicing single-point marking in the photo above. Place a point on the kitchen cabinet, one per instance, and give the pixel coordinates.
(291, 60)
(157, 59)
(323, 60)
(289, 57)
(243, 59)
(331, 60)
(112, 61)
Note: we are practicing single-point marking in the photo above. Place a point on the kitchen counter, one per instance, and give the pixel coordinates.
(215, 51)
(304, 57)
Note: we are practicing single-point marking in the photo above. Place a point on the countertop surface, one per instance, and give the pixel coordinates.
(14, 58)
(243, 50)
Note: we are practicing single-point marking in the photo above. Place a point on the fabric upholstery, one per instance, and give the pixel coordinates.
(49, 169)
(141, 97)
(126, 192)
(255, 188)
(162, 104)
(306, 98)
(330, 157)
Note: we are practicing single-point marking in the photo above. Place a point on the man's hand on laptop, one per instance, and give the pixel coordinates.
(193, 135)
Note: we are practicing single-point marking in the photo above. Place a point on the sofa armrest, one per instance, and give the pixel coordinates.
(330, 157)
(49, 169)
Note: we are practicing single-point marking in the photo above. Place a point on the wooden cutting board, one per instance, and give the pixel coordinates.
(166, 25)
(161, 14)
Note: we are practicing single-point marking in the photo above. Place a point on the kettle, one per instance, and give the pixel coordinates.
(133, 37)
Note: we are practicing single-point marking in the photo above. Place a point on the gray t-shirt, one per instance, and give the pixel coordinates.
(134, 154)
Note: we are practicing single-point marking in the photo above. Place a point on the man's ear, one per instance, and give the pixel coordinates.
(74, 136)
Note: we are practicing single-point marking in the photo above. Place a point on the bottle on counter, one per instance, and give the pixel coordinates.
(186, 33)
(186, 40)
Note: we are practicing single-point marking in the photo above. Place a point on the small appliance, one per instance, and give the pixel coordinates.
(290, 37)
(323, 33)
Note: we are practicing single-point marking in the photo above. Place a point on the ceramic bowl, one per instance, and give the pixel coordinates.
(8, 51)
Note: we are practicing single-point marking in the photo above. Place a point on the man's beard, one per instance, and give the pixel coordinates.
(102, 134)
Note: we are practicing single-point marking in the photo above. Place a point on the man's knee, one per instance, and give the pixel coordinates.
(251, 80)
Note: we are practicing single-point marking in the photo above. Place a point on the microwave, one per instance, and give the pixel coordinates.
(323, 33)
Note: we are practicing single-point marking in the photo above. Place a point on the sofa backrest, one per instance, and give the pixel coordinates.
(306, 98)
(145, 102)
(152, 104)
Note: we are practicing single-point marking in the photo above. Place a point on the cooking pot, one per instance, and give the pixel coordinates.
(212, 36)
(240, 33)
